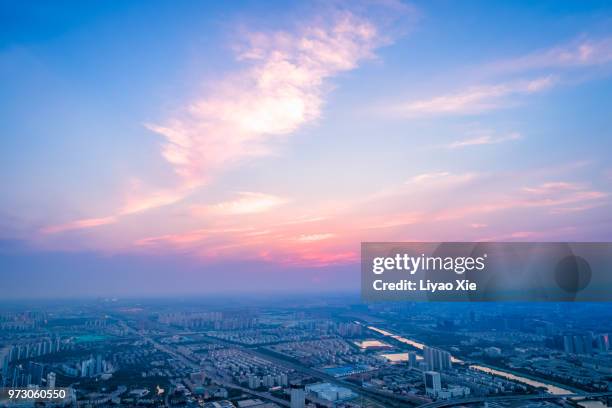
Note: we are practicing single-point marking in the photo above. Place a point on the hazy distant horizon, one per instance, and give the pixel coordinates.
(57, 275)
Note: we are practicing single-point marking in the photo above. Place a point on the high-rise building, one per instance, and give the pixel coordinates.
(436, 359)
(253, 382)
(20, 352)
(433, 382)
(412, 360)
(88, 368)
(578, 343)
(51, 380)
(18, 377)
(568, 345)
(298, 396)
(35, 372)
(13, 353)
(98, 364)
(5, 359)
(268, 381)
(603, 342)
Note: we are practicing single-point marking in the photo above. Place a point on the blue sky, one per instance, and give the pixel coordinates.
(271, 138)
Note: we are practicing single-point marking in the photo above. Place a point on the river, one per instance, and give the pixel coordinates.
(553, 389)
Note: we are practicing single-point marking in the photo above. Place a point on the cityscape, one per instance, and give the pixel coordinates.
(218, 204)
(332, 351)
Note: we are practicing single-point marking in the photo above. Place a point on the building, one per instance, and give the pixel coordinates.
(330, 392)
(436, 359)
(51, 380)
(98, 364)
(603, 343)
(298, 396)
(35, 372)
(5, 359)
(268, 381)
(453, 392)
(88, 368)
(254, 382)
(412, 360)
(578, 343)
(433, 382)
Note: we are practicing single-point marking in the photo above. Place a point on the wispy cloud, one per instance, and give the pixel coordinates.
(282, 90)
(315, 237)
(437, 178)
(476, 225)
(482, 140)
(245, 114)
(79, 224)
(577, 208)
(553, 187)
(136, 202)
(428, 206)
(552, 196)
(474, 99)
(578, 53)
(246, 203)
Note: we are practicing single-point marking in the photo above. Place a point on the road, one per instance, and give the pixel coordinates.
(188, 362)
(378, 396)
(388, 399)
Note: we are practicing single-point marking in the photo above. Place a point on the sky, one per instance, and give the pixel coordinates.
(162, 148)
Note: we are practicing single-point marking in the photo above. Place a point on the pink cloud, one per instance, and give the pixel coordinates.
(282, 90)
(135, 203)
(437, 179)
(185, 238)
(330, 235)
(577, 208)
(244, 115)
(79, 224)
(140, 201)
(528, 235)
(552, 187)
(315, 237)
(478, 225)
(546, 195)
(246, 203)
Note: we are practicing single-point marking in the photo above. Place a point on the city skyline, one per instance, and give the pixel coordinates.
(160, 149)
(320, 352)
